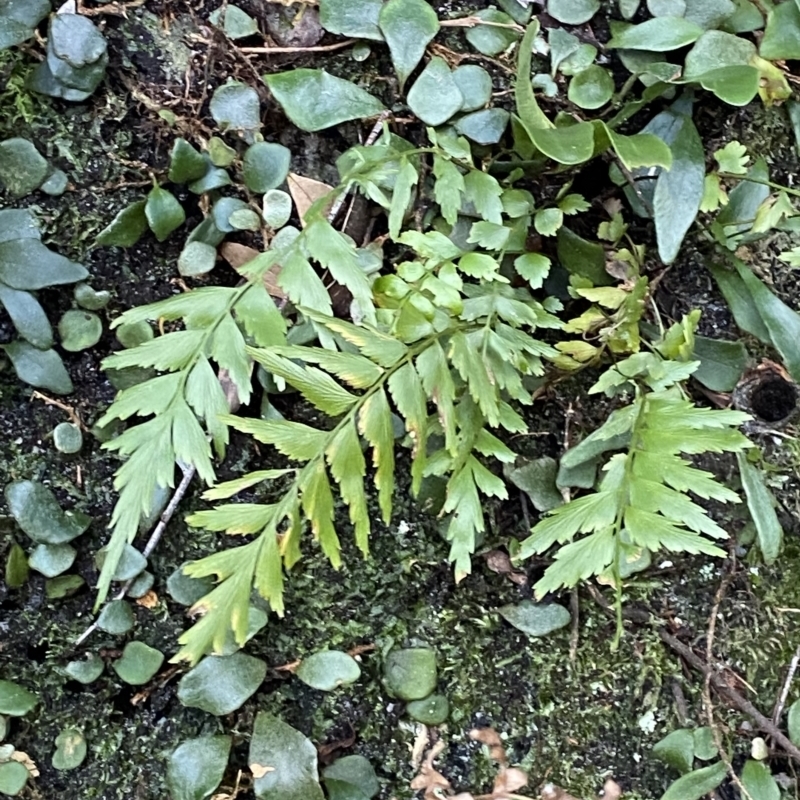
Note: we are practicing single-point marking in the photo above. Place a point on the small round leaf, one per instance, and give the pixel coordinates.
(67, 438)
(196, 767)
(435, 96)
(164, 213)
(79, 330)
(276, 208)
(196, 258)
(535, 619)
(265, 166)
(431, 710)
(328, 669)
(52, 559)
(591, 88)
(410, 674)
(13, 777)
(15, 700)
(354, 771)
(138, 664)
(70, 750)
(475, 84)
(116, 618)
(62, 586)
(86, 670)
(235, 106)
(185, 589)
(221, 684)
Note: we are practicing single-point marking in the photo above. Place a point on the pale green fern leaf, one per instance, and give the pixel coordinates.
(375, 425)
(347, 466)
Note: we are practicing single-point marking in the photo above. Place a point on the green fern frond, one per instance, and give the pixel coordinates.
(643, 499)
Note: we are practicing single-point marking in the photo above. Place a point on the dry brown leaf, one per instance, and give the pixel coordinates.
(26, 761)
(612, 206)
(305, 192)
(418, 748)
(508, 780)
(259, 771)
(611, 790)
(552, 792)
(237, 255)
(149, 600)
(498, 561)
(491, 739)
(429, 779)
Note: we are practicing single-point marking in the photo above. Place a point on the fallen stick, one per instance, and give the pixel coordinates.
(730, 695)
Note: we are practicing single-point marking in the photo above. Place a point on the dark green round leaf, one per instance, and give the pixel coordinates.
(130, 564)
(356, 18)
(138, 664)
(185, 589)
(88, 298)
(38, 513)
(408, 26)
(126, 228)
(492, 40)
(354, 772)
(79, 330)
(86, 670)
(235, 22)
(410, 674)
(197, 258)
(13, 777)
(291, 757)
(116, 618)
(22, 168)
(435, 97)
(328, 669)
(677, 750)
(235, 106)
(573, 12)
(17, 571)
(186, 164)
(70, 750)
(164, 213)
(56, 183)
(141, 585)
(484, 127)
(245, 219)
(781, 40)
(535, 619)
(265, 166)
(431, 710)
(475, 85)
(221, 684)
(215, 178)
(15, 701)
(591, 88)
(62, 586)
(18, 19)
(28, 316)
(132, 334)
(314, 100)
(52, 559)
(195, 768)
(222, 210)
(221, 154)
(276, 208)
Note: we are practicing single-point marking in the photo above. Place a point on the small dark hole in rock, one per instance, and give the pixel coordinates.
(38, 653)
(773, 399)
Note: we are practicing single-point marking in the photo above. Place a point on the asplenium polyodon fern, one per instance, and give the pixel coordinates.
(465, 365)
(185, 402)
(444, 329)
(643, 501)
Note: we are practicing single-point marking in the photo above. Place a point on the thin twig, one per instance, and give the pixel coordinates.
(320, 48)
(188, 473)
(731, 695)
(708, 705)
(776, 714)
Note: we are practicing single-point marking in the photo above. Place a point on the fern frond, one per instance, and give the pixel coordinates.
(643, 499)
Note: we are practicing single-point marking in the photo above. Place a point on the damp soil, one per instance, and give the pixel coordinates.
(569, 710)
